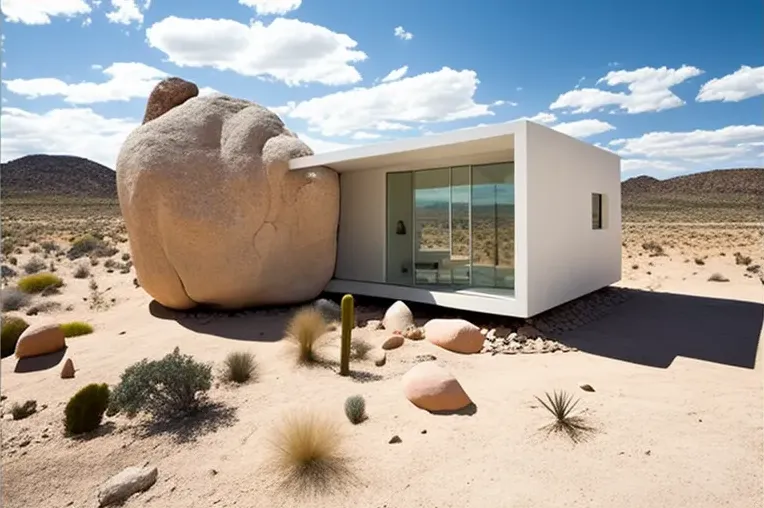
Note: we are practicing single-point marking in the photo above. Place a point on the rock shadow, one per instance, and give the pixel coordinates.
(37, 363)
(468, 410)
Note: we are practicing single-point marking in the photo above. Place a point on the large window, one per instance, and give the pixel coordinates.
(452, 226)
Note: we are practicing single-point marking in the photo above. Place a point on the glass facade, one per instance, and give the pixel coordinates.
(452, 226)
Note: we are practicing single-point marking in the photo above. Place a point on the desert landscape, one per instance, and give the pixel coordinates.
(665, 369)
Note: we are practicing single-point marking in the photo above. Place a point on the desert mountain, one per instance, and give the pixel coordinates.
(56, 176)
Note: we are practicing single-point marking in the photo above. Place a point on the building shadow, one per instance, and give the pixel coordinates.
(37, 363)
(652, 329)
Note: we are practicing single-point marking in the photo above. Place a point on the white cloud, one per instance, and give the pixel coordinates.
(396, 74)
(734, 145)
(39, 12)
(126, 12)
(322, 145)
(440, 96)
(73, 131)
(645, 165)
(742, 84)
(363, 135)
(265, 7)
(402, 34)
(583, 128)
(544, 117)
(649, 90)
(288, 50)
(126, 80)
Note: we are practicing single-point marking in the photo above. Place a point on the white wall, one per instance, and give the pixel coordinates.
(361, 242)
(566, 258)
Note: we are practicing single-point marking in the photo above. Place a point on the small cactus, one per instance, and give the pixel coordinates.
(355, 409)
(347, 327)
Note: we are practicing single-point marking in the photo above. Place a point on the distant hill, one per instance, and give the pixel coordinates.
(56, 176)
(721, 195)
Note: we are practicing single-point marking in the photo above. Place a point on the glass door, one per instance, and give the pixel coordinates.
(432, 219)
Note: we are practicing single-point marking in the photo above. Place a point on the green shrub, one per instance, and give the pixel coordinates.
(39, 282)
(76, 328)
(13, 299)
(90, 245)
(163, 388)
(12, 328)
(355, 409)
(239, 367)
(85, 409)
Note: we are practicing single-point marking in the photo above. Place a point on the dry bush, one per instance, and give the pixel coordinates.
(34, 265)
(307, 456)
(700, 261)
(82, 271)
(359, 349)
(239, 367)
(718, 277)
(13, 299)
(740, 259)
(306, 331)
(654, 248)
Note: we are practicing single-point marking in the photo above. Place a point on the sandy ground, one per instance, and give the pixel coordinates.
(678, 402)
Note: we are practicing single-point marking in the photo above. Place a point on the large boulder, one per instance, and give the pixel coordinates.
(457, 335)
(213, 213)
(429, 386)
(40, 340)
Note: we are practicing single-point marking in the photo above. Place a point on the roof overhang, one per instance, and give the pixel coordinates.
(477, 145)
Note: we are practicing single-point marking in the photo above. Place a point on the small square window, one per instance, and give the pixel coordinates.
(596, 211)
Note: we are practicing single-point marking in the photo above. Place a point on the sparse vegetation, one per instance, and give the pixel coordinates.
(76, 328)
(306, 330)
(25, 410)
(44, 306)
(718, 277)
(239, 367)
(7, 272)
(355, 409)
(90, 245)
(34, 265)
(13, 299)
(39, 282)
(700, 261)
(561, 406)
(654, 248)
(49, 246)
(97, 300)
(740, 259)
(165, 389)
(82, 271)
(12, 328)
(85, 409)
(359, 349)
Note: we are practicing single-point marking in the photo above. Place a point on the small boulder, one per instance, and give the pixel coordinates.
(378, 356)
(431, 387)
(123, 485)
(67, 371)
(393, 342)
(398, 317)
(395, 439)
(586, 387)
(455, 335)
(40, 340)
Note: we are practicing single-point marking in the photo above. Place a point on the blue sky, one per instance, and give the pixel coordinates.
(673, 87)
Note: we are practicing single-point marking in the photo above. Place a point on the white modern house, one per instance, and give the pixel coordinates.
(510, 219)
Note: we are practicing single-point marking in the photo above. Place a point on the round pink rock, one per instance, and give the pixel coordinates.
(456, 335)
(431, 387)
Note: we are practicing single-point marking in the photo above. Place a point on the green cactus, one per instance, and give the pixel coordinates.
(347, 327)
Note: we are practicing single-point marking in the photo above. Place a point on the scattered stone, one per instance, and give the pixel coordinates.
(431, 387)
(424, 431)
(398, 317)
(491, 335)
(395, 440)
(586, 387)
(455, 335)
(40, 340)
(126, 483)
(378, 356)
(414, 333)
(393, 342)
(213, 472)
(26, 442)
(67, 371)
(424, 358)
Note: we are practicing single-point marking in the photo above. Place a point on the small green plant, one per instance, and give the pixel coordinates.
(355, 409)
(34, 265)
(13, 299)
(85, 409)
(239, 367)
(348, 320)
(12, 328)
(82, 271)
(561, 405)
(165, 388)
(305, 330)
(39, 282)
(718, 277)
(76, 328)
(25, 410)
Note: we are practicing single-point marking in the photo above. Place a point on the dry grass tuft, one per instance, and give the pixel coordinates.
(307, 457)
(239, 367)
(306, 332)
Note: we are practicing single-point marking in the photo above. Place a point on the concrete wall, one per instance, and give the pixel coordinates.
(566, 258)
(361, 241)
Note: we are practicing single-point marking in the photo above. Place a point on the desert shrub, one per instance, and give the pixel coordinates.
(44, 306)
(39, 282)
(76, 328)
(740, 259)
(14, 261)
(239, 367)
(700, 261)
(85, 409)
(355, 409)
(90, 245)
(21, 411)
(165, 388)
(13, 299)
(49, 246)
(7, 271)
(753, 268)
(126, 256)
(561, 406)
(110, 263)
(654, 248)
(12, 328)
(8, 246)
(305, 330)
(308, 458)
(81, 272)
(34, 265)
(35, 249)
(718, 277)
(359, 349)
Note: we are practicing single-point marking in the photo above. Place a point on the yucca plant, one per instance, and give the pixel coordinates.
(561, 405)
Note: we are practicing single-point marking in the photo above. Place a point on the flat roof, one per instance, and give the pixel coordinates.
(489, 141)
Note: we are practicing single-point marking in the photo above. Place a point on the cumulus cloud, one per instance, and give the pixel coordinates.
(126, 12)
(40, 12)
(583, 128)
(396, 74)
(649, 89)
(742, 84)
(287, 50)
(266, 7)
(402, 34)
(543, 117)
